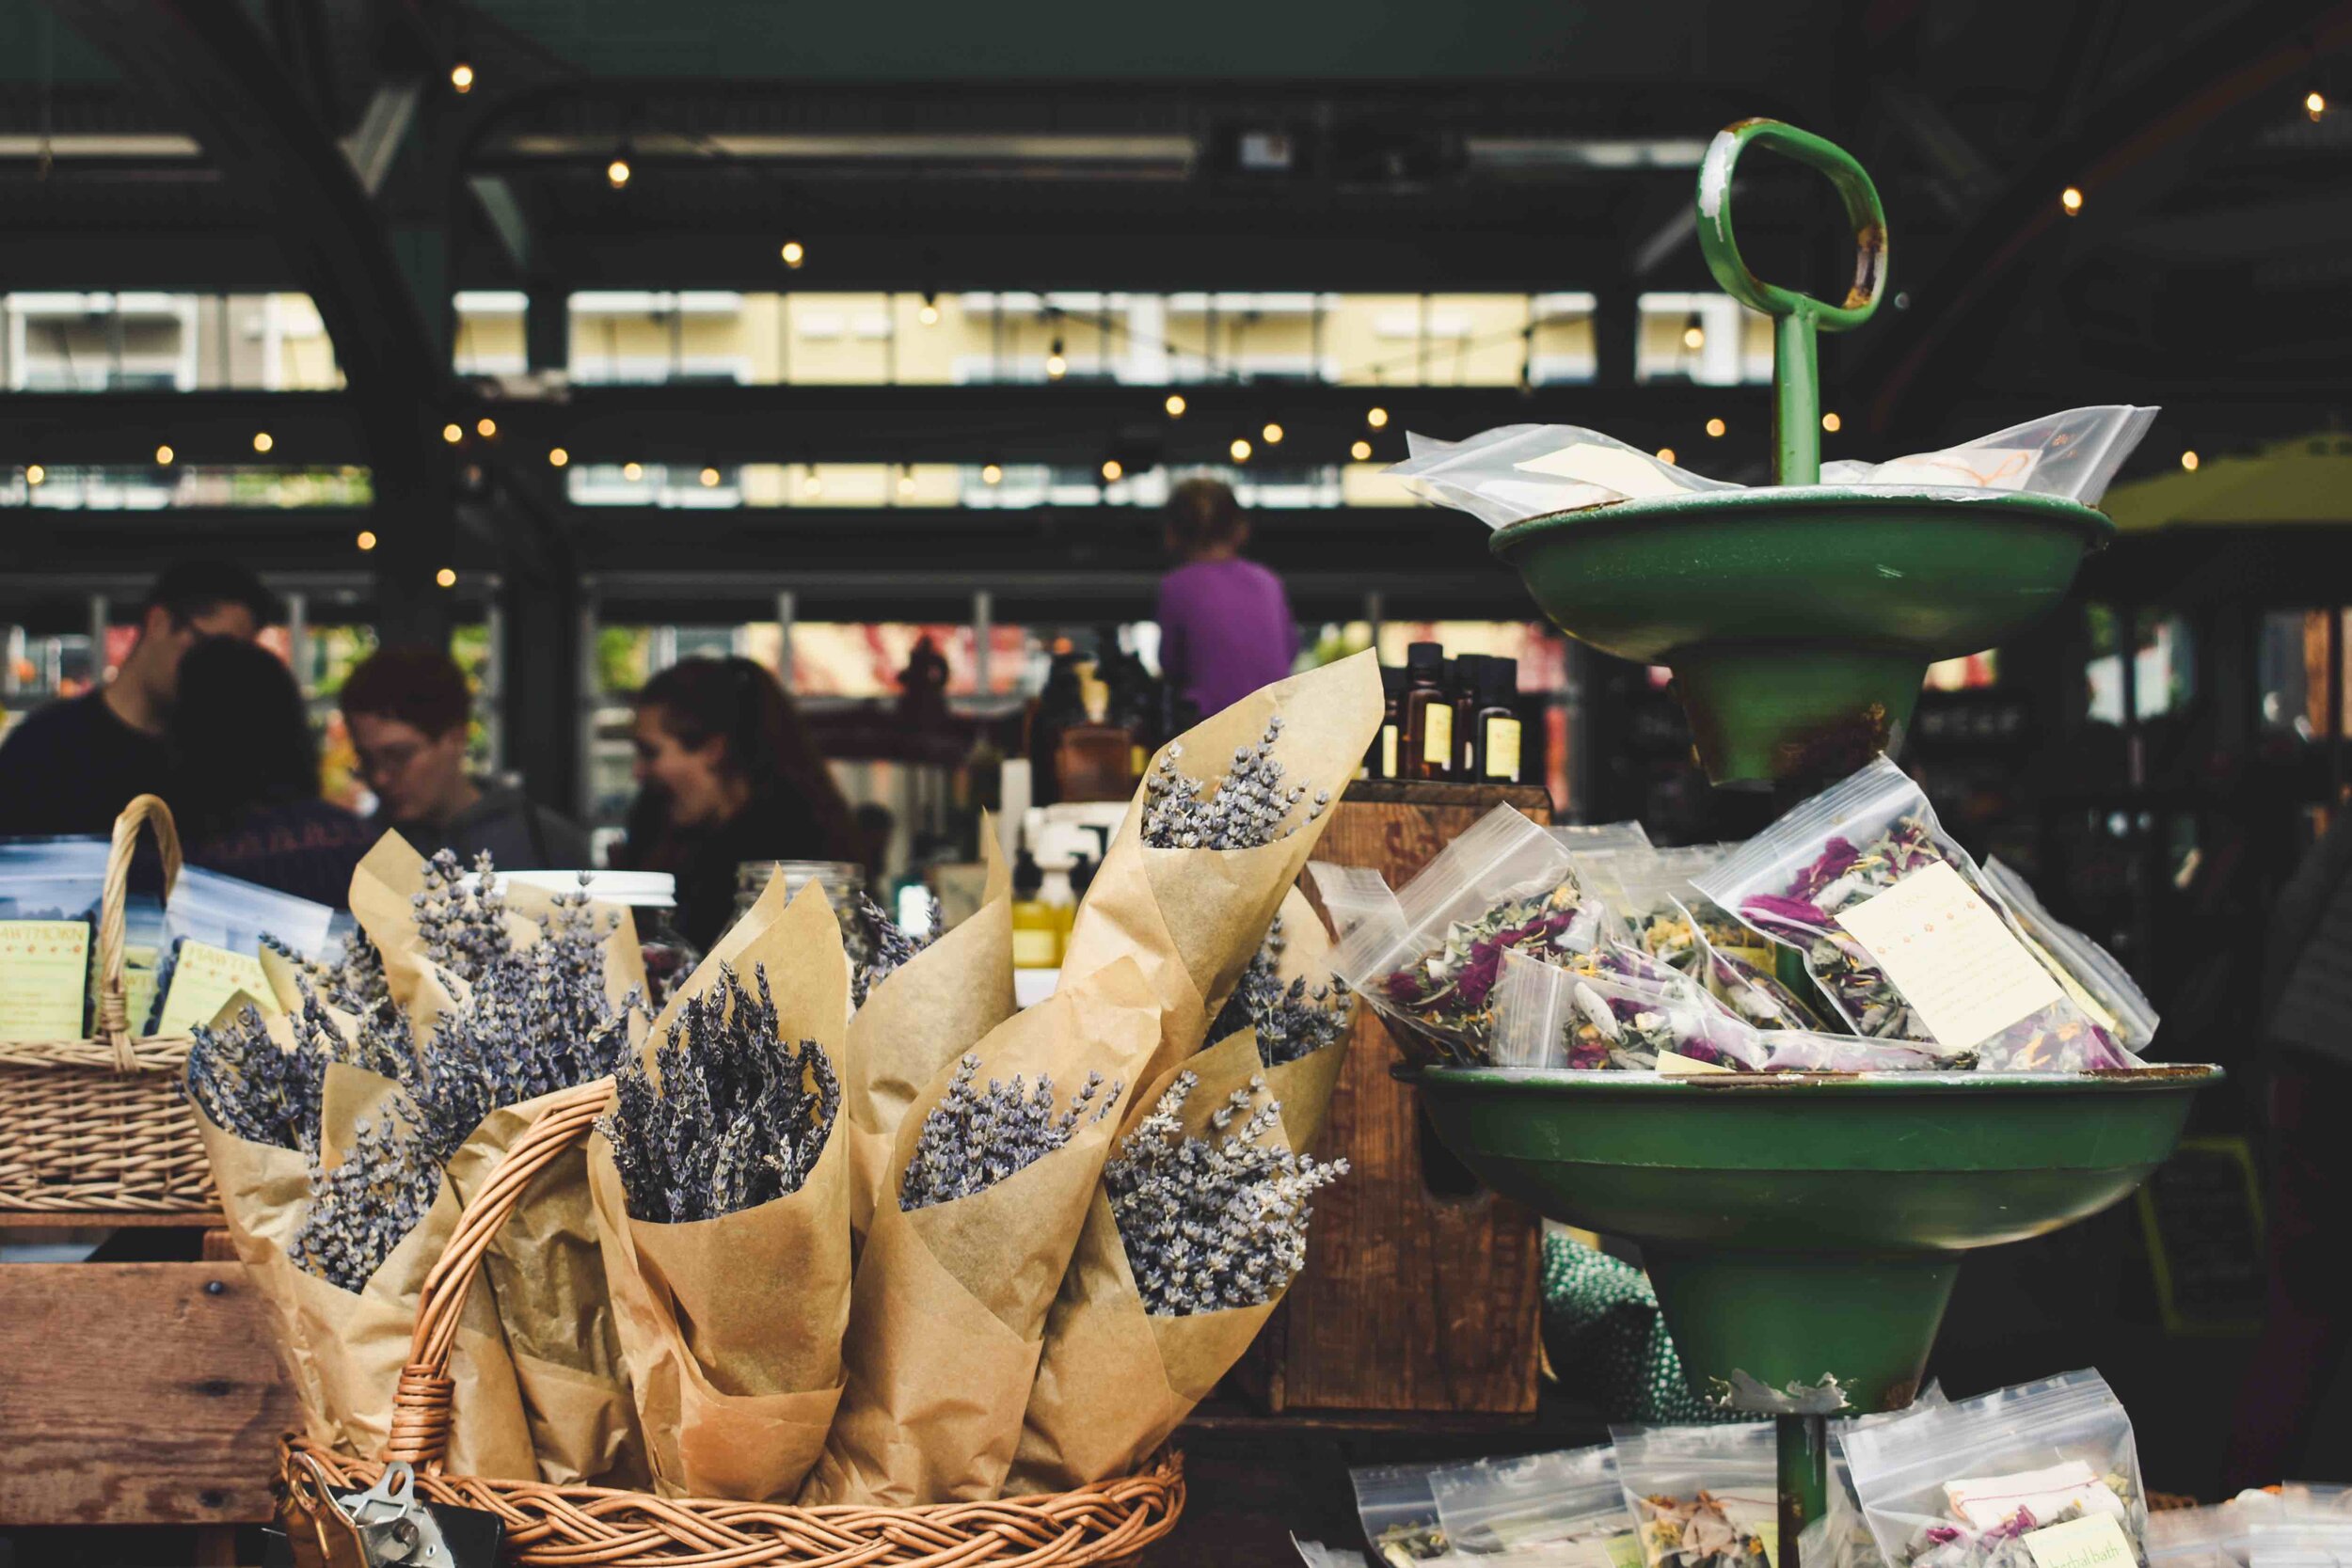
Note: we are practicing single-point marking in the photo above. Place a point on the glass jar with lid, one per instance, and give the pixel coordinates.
(652, 900)
(844, 881)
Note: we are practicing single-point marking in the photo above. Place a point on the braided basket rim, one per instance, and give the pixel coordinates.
(547, 1524)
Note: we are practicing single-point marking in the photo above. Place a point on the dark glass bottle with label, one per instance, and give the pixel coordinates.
(1497, 732)
(1428, 713)
(1380, 757)
(1463, 680)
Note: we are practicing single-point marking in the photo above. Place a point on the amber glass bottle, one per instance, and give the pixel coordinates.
(1428, 713)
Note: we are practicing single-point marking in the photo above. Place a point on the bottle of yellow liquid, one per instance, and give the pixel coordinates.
(1036, 926)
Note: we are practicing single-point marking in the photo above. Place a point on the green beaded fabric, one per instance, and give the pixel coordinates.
(1607, 1341)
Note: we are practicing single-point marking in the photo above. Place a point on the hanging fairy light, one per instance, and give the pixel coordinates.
(453, 433)
(1716, 427)
(262, 441)
(486, 427)
(1112, 470)
(1361, 451)
(2189, 461)
(557, 457)
(709, 478)
(928, 314)
(632, 471)
(461, 78)
(1240, 449)
(1376, 416)
(446, 576)
(992, 474)
(1829, 421)
(616, 173)
(794, 253)
(2315, 105)
(1666, 454)
(366, 540)
(906, 482)
(2071, 200)
(34, 473)
(1272, 433)
(1175, 405)
(163, 454)
(1694, 333)
(1056, 362)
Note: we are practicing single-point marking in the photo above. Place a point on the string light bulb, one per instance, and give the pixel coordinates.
(2189, 461)
(2071, 200)
(1376, 416)
(992, 474)
(486, 428)
(262, 440)
(1361, 451)
(461, 77)
(2314, 103)
(366, 540)
(34, 473)
(163, 454)
(1716, 427)
(1175, 405)
(1056, 362)
(453, 433)
(632, 471)
(794, 253)
(1694, 336)
(557, 457)
(1240, 449)
(1666, 454)
(812, 485)
(616, 173)
(906, 484)
(928, 314)
(446, 576)
(1829, 421)
(1112, 471)
(710, 479)
(1273, 434)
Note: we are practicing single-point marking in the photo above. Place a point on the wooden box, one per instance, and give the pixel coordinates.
(1421, 1290)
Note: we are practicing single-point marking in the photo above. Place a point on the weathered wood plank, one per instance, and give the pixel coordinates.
(136, 1394)
(1421, 1289)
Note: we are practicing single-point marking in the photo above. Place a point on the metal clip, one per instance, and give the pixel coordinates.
(395, 1529)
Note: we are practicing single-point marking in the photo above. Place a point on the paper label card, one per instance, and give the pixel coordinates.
(1964, 971)
(1673, 1065)
(1628, 473)
(1436, 736)
(203, 979)
(44, 971)
(1502, 749)
(2046, 1493)
(2096, 1541)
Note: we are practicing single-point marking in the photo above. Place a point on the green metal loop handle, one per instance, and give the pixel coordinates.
(1797, 316)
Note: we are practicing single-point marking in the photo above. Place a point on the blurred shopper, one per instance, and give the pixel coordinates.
(1225, 623)
(71, 767)
(727, 772)
(245, 784)
(408, 710)
(2308, 1328)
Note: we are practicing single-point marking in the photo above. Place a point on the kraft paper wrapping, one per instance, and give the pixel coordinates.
(342, 1350)
(1115, 1381)
(1304, 1086)
(1191, 918)
(918, 1023)
(949, 1310)
(545, 1267)
(732, 1327)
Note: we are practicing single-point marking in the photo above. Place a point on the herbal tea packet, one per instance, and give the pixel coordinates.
(1701, 1496)
(1553, 1017)
(2044, 1475)
(1566, 1509)
(947, 1313)
(2099, 985)
(1398, 1507)
(1742, 978)
(1901, 933)
(1117, 1378)
(732, 1325)
(1504, 885)
(213, 930)
(50, 889)
(1191, 917)
(923, 1016)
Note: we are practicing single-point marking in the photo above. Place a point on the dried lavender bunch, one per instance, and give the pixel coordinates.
(246, 1084)
(1292, 1021)
(972, 1139)
(1212, 1222)
(891, 945)
(462, 930)
(363, 1208)
(1246, 808)
(730, 1116)
(537, 1020)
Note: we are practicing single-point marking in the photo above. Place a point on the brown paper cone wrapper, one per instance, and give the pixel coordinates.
(950, 1303)
(732, 1326)
(918, 1023)
(343, 1351)
(1115, 1381)
(1304, 1086)
(1191, 918)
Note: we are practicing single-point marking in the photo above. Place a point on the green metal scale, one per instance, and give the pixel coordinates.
(1802, 1229)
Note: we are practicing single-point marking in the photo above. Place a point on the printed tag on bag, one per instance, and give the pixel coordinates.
(2097, 1541)
(44, 966)
(1958, 966)
(203, 979)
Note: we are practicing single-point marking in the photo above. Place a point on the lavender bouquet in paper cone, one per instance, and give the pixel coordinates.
(1199, 1227)
(721, 1186)
(916, 1021)
(994, 1165)
(1299, 1012)
(1227, 814)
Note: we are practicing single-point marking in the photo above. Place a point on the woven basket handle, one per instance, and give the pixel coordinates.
(420, 1403)
(114, 1015)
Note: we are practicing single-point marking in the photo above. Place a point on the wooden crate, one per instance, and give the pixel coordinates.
(137, 1393)
(1421, 1290)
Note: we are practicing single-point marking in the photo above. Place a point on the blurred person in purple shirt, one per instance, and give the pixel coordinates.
(1225, 623)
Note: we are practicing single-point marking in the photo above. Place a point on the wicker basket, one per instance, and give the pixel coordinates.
(99, 1125)
(592, 1527)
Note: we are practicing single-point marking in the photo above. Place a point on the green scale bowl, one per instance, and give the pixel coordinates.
(1803, 1226)
(1799, 621)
